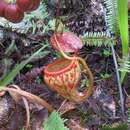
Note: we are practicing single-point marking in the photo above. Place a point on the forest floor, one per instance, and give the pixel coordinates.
(103, 107)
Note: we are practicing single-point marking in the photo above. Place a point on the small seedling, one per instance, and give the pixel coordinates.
(106, 53)
(105, 75)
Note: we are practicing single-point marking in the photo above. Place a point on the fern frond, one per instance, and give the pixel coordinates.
(98, 39)
(55, 122)
(122, 126)
(111, 16)
(124, 65)
(40, 13)
(28, 22)
(105, 38)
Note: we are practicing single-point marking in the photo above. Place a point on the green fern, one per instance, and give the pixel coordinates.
(40, 13)
(123, 126)
(111, 16)
(128, 114)
(98, 39)
(54, 122)
(124, 65)
(111, 19)
(32, 20)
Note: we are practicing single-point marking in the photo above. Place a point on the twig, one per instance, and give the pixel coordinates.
(63, 103)
(118, 80)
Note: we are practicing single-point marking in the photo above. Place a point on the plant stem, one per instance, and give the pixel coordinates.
(118, 80)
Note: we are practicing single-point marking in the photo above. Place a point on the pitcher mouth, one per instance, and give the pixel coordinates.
(59, 66)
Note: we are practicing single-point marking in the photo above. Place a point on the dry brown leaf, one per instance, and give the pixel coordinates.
(73, 125)
(67, 106)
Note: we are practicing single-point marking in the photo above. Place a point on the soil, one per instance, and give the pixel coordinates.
(103, 107)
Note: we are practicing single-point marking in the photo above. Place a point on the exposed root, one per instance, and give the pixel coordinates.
(27, 113)
(26, 108)
(17, 94)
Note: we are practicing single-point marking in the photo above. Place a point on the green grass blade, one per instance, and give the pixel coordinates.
(9, 77)
(123, 25)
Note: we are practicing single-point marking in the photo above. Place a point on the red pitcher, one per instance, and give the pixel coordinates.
(63, 76)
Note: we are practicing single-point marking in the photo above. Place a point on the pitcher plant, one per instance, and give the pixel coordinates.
(63, 75)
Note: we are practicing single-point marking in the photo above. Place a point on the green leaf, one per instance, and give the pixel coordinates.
(9, 77)
(54, 122)
(123, 25)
